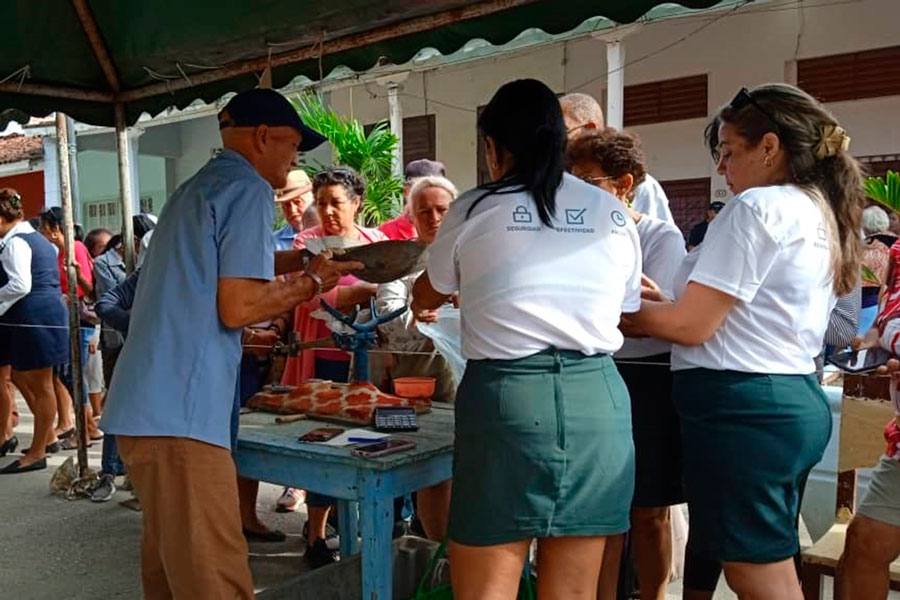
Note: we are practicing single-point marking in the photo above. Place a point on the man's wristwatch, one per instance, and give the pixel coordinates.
(320, 285)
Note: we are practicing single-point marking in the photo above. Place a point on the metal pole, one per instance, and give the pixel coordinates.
(396, 120)
(123, 146)
(65, 188)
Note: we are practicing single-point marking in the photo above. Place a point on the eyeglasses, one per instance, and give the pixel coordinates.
(744, 98)
(588, 179)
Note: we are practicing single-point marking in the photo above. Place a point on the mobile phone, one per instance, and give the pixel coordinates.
(322, 434)
(388, 446)
(860, 361)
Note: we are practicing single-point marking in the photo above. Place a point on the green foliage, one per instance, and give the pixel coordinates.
(885, 190)
(370, 155)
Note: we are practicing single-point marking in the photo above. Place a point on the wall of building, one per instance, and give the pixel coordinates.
(30, 187)
(98, 184)
(754, 45)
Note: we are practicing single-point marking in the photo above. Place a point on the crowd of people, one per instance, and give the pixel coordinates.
(613, 370)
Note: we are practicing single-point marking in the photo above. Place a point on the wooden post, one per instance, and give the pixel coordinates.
(75, 358)
(123, 146)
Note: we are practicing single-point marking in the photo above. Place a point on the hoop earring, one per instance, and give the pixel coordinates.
(767, 161)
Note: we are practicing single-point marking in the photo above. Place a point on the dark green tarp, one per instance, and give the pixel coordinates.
(153, 41)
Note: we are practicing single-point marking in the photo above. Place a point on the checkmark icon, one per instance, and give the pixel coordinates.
(575, 216)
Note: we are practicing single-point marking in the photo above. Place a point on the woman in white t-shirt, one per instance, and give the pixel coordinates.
(614, 161)
(544, 265)
(753, 304)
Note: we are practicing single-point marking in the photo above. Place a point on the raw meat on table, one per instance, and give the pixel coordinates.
(346, 402)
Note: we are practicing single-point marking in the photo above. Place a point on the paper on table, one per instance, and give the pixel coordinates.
(344, 438)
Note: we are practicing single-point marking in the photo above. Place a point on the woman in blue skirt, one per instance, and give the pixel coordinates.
(33, 332)
(544, 265)
(753, 304)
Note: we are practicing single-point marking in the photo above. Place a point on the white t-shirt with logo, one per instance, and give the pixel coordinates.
(650, 199)
(525, 287)
(662, 250)
(769, 249)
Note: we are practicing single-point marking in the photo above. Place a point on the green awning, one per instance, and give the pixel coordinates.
(165, 53)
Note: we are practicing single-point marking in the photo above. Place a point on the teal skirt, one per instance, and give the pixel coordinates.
(749, 442)
(543, 449)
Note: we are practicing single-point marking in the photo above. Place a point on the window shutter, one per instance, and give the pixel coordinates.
(688, 199)
(867, 74)
(669, 100)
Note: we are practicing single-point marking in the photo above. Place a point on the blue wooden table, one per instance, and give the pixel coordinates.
(367, 487)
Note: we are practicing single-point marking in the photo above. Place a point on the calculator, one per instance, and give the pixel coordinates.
(396, 418)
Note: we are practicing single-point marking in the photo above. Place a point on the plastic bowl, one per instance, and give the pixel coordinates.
(414, 387)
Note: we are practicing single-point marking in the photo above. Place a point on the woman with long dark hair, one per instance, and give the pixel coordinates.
(753, 304)
(544, 265)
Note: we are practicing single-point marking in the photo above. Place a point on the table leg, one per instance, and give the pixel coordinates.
(348, 523)
(376, 513)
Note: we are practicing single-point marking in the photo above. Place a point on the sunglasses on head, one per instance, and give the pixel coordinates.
(12, 197)
(744, 98)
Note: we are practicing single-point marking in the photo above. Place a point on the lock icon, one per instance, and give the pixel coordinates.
(521, 215)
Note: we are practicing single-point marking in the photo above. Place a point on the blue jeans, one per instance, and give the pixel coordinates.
(110, 463)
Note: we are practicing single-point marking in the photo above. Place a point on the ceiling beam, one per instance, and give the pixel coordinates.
(313, 51)
(56, 91)
(98, 45)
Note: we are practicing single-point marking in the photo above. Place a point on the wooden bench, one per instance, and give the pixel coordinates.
(865, 409)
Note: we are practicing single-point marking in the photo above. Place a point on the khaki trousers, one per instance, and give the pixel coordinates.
(193, 546)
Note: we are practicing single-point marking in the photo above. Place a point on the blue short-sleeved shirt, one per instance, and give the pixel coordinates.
(177, 373)
(284, 238)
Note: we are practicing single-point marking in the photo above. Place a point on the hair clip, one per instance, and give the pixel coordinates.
(834, 139)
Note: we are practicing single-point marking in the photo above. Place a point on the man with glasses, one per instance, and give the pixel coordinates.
(294, 199)
(583, 115)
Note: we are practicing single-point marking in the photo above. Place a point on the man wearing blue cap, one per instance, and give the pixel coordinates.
(209, 272)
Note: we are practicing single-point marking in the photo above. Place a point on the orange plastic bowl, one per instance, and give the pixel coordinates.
(414, 387)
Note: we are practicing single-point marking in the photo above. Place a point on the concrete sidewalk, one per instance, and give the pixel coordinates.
(54, 548)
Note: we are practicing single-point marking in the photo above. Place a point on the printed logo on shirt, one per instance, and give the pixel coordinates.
(575, 216)
(523, 219)
(822, 242)
(618, 218)
(521, 215)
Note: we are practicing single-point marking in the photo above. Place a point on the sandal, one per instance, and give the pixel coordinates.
(70, 443)
(66, 434)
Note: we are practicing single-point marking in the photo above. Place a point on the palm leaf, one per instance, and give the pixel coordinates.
(885, 191)
(370, 155)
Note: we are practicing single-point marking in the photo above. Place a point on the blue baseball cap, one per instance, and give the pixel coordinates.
(262, 106)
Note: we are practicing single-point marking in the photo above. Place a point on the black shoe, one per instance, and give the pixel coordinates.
(270, 536)
(318, 555)
(51, 449)
(332, 539)
(15, 467)
(9, 445)
(67, 433)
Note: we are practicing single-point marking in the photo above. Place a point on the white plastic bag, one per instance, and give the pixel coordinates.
(447, 337)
